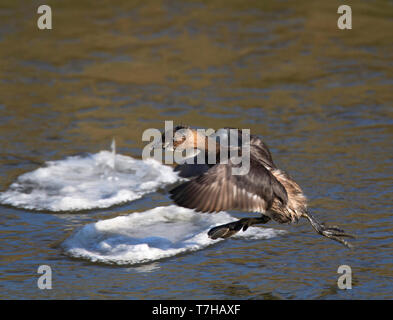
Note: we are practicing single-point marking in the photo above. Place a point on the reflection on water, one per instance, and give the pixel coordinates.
(320, 97)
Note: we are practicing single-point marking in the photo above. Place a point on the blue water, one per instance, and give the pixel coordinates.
(320, 98)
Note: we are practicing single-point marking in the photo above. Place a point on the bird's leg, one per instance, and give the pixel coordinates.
(229, 229)
(331, 232)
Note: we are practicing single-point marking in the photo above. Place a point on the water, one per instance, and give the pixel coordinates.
(321, 99)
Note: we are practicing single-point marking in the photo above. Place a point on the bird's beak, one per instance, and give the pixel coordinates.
(159, 145)
(168, 146)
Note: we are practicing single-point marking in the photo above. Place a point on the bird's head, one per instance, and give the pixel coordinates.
(182, 137)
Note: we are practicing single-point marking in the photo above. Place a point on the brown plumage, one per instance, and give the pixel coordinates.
(264, 189)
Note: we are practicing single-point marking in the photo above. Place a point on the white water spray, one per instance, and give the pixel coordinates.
(113, 148)
(97, 180)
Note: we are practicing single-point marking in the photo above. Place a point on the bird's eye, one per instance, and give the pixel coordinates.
(178, 139)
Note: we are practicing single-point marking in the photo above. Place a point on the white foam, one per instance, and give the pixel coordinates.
(98, 180)
(148, 236)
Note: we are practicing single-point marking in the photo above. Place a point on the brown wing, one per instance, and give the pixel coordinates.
(217, 189)
(262, 151)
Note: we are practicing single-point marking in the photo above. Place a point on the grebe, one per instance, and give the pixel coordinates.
(264, 189)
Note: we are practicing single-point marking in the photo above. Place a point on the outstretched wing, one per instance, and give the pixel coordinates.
(218, 189)
(261, 150)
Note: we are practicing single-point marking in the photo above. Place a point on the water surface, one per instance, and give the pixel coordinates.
(320, 97)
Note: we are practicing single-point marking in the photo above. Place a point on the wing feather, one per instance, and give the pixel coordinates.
(217, 189)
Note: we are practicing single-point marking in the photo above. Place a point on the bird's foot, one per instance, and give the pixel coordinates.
(226, 230)
(335, 233)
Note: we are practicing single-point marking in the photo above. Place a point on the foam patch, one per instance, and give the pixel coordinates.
(93, 181)
(152, 235)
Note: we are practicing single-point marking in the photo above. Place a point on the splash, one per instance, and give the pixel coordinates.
(148, 236)
(113, 148)
(86, 182)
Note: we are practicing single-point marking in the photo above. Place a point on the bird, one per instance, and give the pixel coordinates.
(264, 189)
